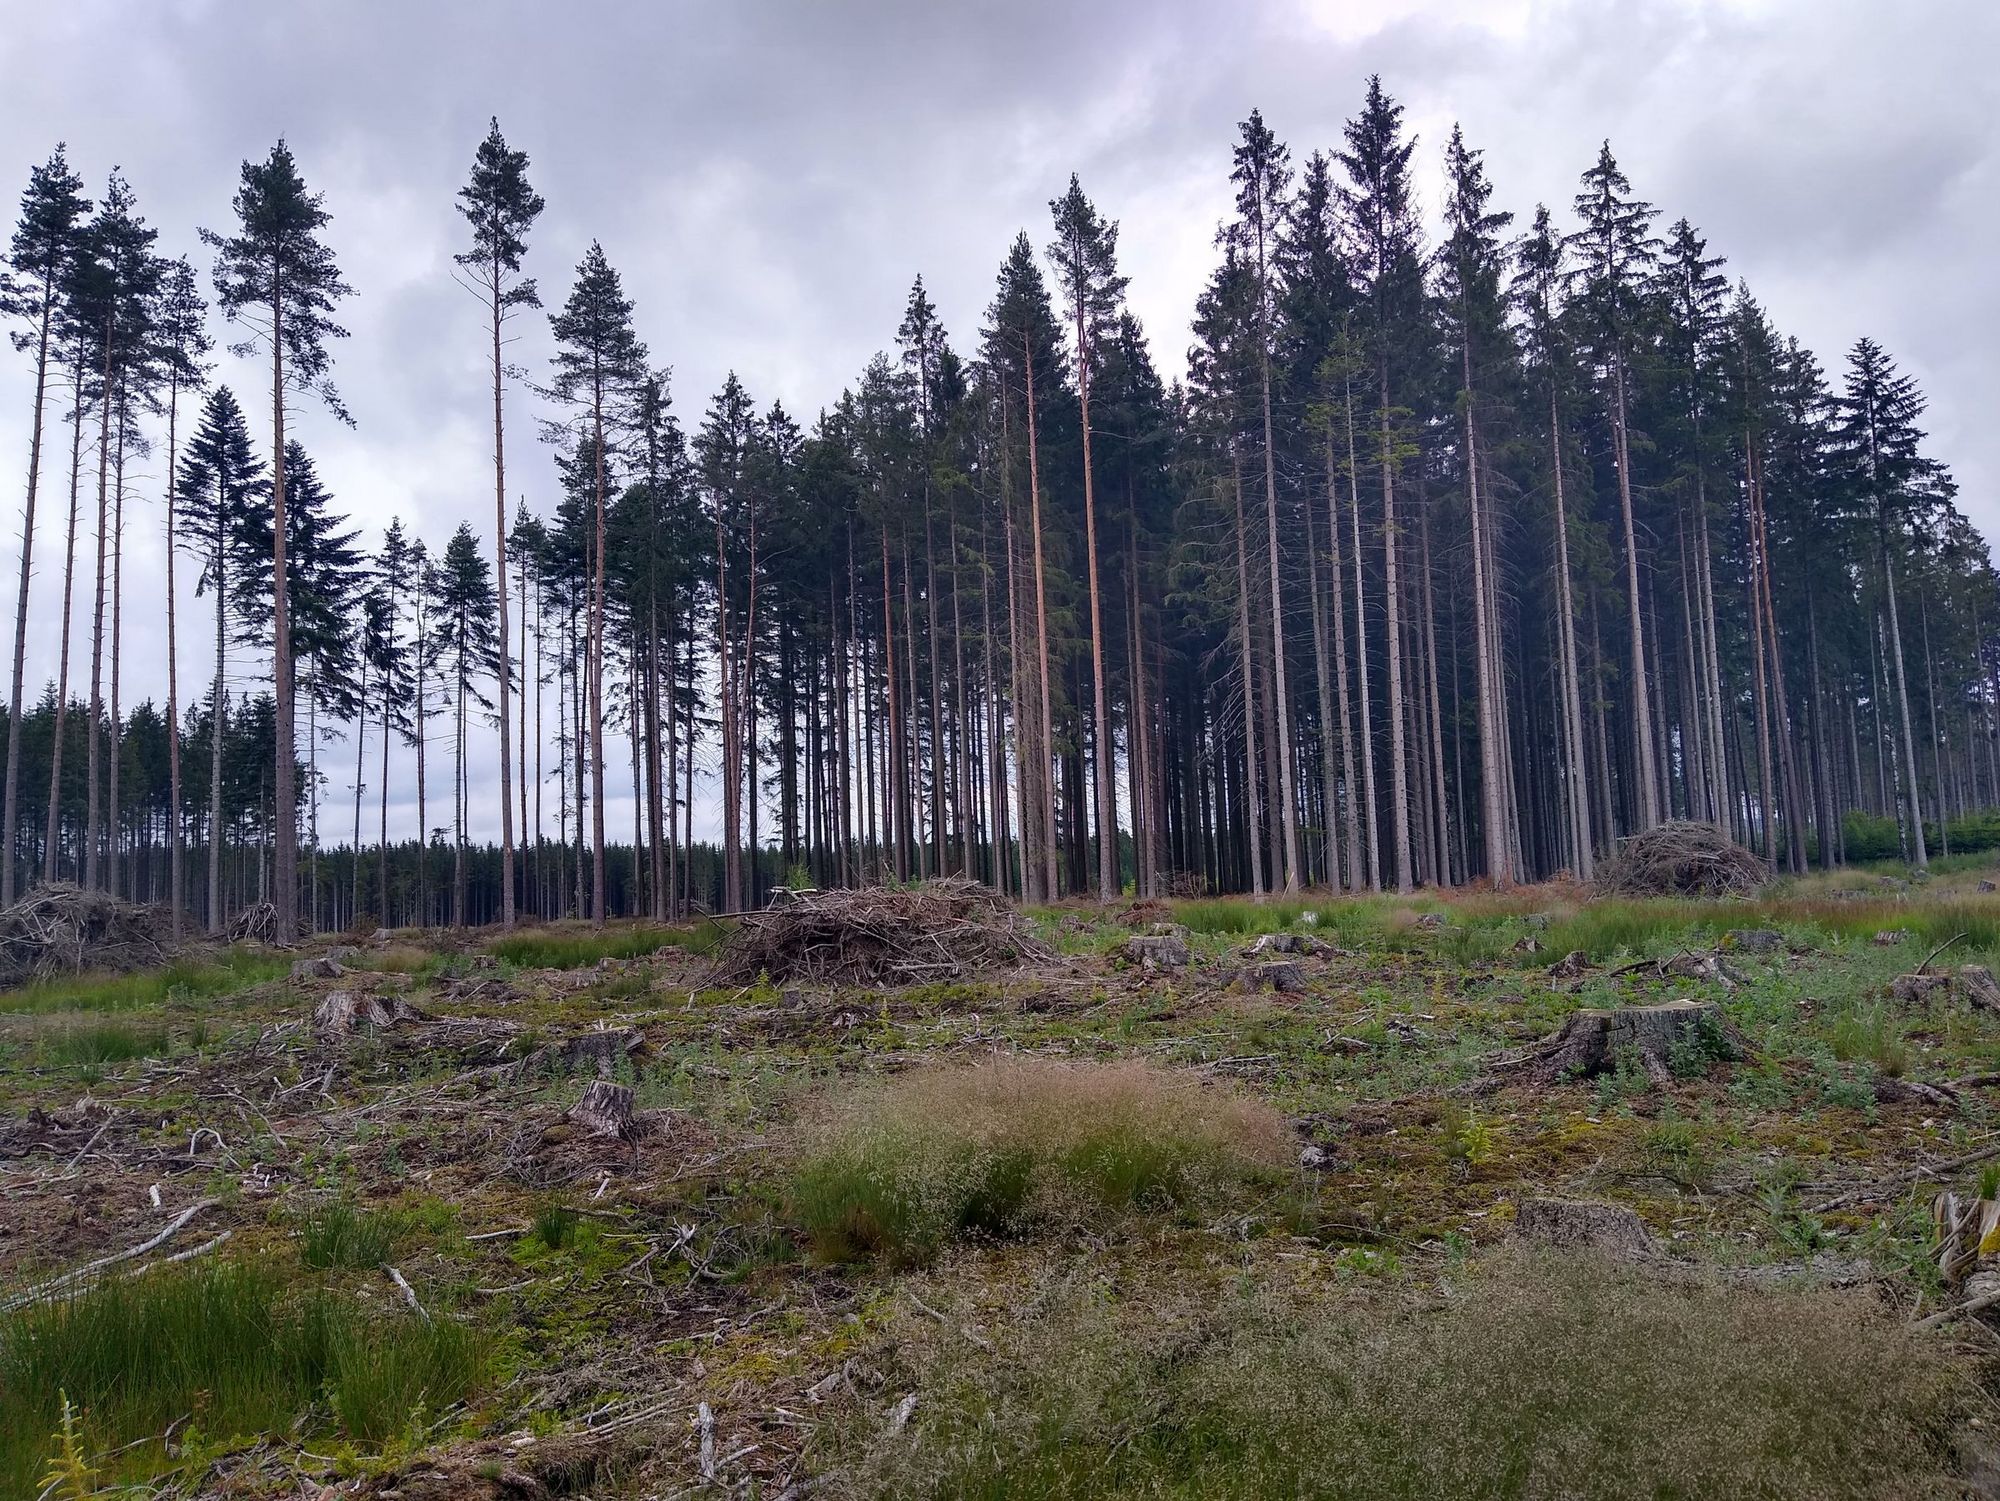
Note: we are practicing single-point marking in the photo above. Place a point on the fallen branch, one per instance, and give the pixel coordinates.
(90, 1269)
(1963, 1310)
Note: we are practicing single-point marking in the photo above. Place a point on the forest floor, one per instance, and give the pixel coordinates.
(1205, 1240)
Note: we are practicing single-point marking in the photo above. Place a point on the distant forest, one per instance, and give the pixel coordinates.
(1457, 556)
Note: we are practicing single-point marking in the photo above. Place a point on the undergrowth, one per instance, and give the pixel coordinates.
(222, 1351)
(1532, 1377)
(185, 979)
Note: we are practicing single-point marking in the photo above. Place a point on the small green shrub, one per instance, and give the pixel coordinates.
(900, 1168)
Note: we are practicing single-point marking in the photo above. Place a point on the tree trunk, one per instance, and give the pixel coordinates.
(10, 819)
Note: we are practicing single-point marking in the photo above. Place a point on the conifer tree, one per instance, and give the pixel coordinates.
(1085, 255)
(1893, 487)
(215, 487)
(277, 275)
(1382, 215)
(599, 360)
(467, 641)
(1617, 251)
(40, 254)
(1262, 175)
(501, 207)
(181, 346)
(1472, 265)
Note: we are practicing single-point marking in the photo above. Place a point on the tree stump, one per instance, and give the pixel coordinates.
(597, 1052)
(1754, 940)
(1572, 966)
(1572, 1224)
(1284, 975)
(318, 967)
(1656, 1038)
(1976, 983)
(1917, 987)
(341, 1012)
(604, 1110)
(1157, 951)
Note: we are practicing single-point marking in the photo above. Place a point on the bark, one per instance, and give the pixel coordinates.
(10, 818)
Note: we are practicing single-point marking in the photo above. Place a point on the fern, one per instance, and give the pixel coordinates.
(70, 1477)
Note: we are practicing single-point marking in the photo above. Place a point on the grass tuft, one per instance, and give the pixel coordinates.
(339, 1236)
(557, 948)
(222, 1350)
(1535, 1377)
(184, 979)
(901, 1168)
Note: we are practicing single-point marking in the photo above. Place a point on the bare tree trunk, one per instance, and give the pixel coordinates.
(176, 840)
(10, 825)
(1577, 798)
(1253, 804)
(1052, 884)
(1361, 652)
(1645, 773)
(504, 670)
(1399, 788)
(1107, 814)
(92, 827)
(53, 844)
(594, 654)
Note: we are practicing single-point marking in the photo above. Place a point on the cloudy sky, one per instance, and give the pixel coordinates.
(769, 177)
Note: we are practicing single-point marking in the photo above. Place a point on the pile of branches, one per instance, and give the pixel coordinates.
(1682, 858)
(940, 930)
(63, 929)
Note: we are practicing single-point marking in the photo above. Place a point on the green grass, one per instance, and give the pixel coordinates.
(551, 948)
(340, 1235)
(1531, 1377)
(221, 1351)
(185, 979)
(101, 1044)
(901, 1168)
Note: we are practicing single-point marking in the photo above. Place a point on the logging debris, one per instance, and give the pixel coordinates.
(1682, 857)
(941, 930)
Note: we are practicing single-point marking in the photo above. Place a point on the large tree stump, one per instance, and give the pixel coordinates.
(1284, 975)
(1655, 1038)
(341, 1012)
(1157, 951)
(597, 1052)
(604, 1110)
(1582, 1224)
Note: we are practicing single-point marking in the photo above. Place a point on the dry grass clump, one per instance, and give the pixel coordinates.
(1539, 1376)
(902, 1167)
(1682, 857)
(880, 935)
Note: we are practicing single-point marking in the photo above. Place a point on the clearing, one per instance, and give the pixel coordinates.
(910, 1194)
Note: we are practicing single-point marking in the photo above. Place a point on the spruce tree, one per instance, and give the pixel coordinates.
(1894, 487)
(1616, 252)
(1472, 263)
(1085, 256)
(40, 256)
(181, 346)
(1388, 268)
(1262, 173)
(501, 207)
(215, 486)
(277, 275)
(467, 641)
(599, 361)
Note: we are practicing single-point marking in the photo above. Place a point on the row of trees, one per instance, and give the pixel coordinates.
(1446, 561)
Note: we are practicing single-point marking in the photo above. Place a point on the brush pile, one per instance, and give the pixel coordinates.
(1682, 857)
(941, 930)
(63, 929)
